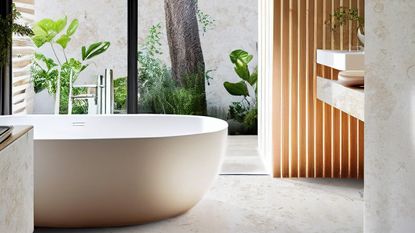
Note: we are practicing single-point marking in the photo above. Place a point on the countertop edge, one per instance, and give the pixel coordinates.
(17, 132)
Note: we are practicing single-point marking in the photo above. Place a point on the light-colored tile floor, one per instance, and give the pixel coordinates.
(242, 156)
(261, 204)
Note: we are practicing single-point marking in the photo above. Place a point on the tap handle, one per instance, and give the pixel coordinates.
(109, 91)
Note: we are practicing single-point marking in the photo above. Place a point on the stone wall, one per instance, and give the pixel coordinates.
(390, 117)
(16, 179)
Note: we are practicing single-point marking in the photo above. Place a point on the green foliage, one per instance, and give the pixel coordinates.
(94, 49)
(241, 60)
(165, 96)
(237, 89)
(246, 110)
(251, 118)
(120, 93)
(47, 72)
(238, 111)
(150, 65)
(8, 27)
(206, 21)
(159, 93)
(44, 73)
(342, 15)
(46, 30)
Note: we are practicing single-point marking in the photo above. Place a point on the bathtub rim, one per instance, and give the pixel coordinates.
(223, 126)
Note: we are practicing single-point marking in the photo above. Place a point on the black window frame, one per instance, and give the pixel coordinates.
(6, 69)
(132, 82)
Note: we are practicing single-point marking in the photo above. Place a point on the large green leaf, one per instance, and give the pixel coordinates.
(94, 49)
(240, 56)
(38, 30)
(46, 30)
(72, 27)
(44, 73)
(60, 24)
(63, 40)
(83, 53)
(39, 40)
(46, 25)
(72, 64)
(50, 63)
(91, 48)
(253, 79)
(237, 89)
(243, 72)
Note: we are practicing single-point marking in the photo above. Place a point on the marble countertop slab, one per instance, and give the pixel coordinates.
(347, 99)
(17, 132)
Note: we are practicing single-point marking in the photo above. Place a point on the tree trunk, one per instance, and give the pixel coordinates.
(188, 66)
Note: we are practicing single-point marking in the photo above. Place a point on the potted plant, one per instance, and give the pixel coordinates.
(343, 15)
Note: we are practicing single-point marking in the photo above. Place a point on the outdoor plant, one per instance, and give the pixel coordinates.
(245, 111)
(58, 73)
(206, 21)
(159, 92)
(180, 88)
(8, 26)
(150, 65)
(120, 94)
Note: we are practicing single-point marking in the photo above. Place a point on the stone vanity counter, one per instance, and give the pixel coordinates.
(16, 181)
(349, 100)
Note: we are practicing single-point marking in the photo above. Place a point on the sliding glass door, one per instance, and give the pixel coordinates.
(199, 57)
(191, 57)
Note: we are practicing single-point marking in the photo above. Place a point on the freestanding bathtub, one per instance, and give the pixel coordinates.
(98, 171)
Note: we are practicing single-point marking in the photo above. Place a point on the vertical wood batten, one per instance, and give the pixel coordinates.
(361, 148)
(285, 86)
(320, 39)
(293, 88)
(310, 87)
(277, 96)
(302, 89)
(315, 139)
(335, 113)
(328, 109)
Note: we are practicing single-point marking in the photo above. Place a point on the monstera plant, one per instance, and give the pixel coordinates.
(246, 110)
(58, 73)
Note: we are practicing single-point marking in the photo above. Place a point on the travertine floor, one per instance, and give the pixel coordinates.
(260, 204)
(242, 156)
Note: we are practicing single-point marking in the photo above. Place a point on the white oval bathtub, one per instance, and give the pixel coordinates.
(97, 171)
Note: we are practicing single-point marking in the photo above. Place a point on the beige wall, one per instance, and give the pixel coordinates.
(390, 117)
(236, 27)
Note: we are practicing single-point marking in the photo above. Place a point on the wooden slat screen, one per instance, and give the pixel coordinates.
(311, 138)
(23, 51)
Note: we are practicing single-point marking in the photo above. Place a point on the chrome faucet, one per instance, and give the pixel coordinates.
(100, 96)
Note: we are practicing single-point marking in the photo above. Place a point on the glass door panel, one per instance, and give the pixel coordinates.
(76, 46)
(199, 58)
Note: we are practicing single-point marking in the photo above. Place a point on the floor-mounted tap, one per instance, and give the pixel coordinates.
(100, 96)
